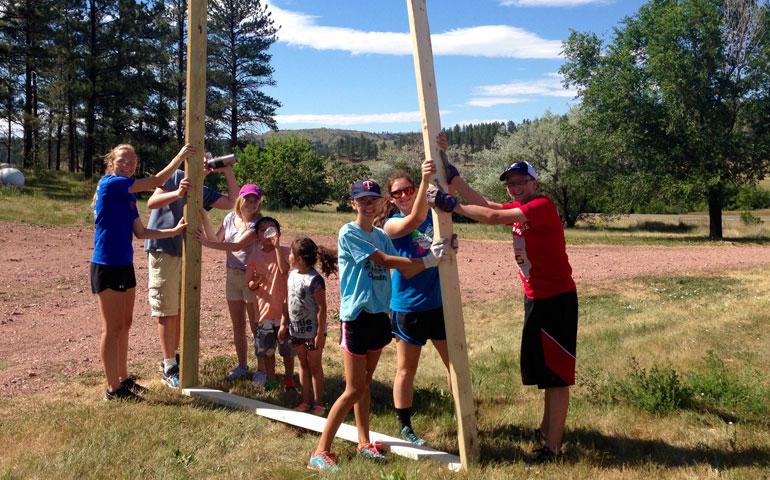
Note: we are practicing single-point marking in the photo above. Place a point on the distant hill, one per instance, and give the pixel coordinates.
(329, 136)
(346, 145)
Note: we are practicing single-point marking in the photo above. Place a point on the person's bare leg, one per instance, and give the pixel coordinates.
(315, 363)
(361, 407)
(111, 304)
(408, 357)
(168, 332)
(270, 367)
(238, 316)
(288, 367)
(555, 416)
(355, 386)
(443, 352)
(305, 378)
(127, 320)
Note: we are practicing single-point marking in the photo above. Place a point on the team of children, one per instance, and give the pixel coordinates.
(282, 294)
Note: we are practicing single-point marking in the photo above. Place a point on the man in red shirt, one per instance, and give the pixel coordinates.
(550, 304)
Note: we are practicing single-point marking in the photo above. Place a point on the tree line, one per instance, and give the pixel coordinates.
(79, 76)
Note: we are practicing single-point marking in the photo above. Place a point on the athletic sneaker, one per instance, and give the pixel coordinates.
(270, 385)
(370, 451)
(544, 455)
(322, 462)
(259, 378)
(171, 376)
(319, 411)
(238, 372)
(122, 394)
(302, 407)
(407, 433)
(132, 386)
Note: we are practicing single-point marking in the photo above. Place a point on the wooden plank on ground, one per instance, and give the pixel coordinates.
(316, 424)
(194, 133)
(442, 224)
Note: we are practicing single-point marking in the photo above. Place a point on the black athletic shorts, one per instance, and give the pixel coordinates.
(548, 341)
(116, 277)
(369, 332)
(418, 327)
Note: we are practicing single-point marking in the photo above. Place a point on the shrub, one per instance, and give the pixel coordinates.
(659, 390)
(290, 173)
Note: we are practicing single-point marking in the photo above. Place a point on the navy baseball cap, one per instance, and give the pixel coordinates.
(519, 167)
(365, 188)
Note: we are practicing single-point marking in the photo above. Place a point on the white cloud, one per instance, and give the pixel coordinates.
(352, 119)
(551, 3)
(519, 91)
(299, 29)
(492, 101)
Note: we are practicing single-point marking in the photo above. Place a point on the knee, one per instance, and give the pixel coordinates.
(406, 372)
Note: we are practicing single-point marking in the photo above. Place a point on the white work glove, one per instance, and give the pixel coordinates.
(438, 251)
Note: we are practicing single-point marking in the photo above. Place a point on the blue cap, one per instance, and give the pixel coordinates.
(365, 188)
(519, 167)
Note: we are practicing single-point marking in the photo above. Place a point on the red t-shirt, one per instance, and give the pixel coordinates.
(541, 250)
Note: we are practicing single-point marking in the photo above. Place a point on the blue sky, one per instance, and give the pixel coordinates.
(348, 63)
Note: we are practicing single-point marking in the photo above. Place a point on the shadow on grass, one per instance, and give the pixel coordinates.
(618, 450)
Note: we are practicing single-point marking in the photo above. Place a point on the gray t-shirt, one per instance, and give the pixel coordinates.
(303, 311)
(169, 216)
(237, 259)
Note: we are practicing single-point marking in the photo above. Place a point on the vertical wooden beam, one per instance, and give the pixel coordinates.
(442, 224)
(194, 133)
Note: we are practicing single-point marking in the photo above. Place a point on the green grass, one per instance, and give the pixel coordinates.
(63, 198)
(640, 343)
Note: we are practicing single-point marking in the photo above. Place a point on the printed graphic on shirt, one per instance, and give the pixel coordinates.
(376, 271)
(421, 242)
(520, 248)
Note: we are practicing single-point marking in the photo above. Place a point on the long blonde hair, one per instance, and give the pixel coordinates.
(238, 208)
(109, 158)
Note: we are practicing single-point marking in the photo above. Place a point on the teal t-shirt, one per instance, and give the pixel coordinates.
(364, 285)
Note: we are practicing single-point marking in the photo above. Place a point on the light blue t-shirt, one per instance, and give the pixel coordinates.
(364, 285)
(423, 291)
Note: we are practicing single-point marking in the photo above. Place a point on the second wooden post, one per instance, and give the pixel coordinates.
(450, 283)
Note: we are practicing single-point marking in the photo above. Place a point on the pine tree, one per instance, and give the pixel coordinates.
(240, 34)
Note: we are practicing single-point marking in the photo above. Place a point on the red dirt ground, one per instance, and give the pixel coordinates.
(49, 320)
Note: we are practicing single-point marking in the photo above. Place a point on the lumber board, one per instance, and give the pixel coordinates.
(194, 133)
(316, 424)
(459, 367)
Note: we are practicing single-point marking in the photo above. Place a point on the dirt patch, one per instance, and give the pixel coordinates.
(50, 326)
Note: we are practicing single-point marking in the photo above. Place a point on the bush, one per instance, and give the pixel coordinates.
(287, 169)
(718, 387)
(659, 390)
(340, 178)
(749, 218)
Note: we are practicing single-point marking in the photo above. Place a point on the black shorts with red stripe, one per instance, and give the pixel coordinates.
(548, 341)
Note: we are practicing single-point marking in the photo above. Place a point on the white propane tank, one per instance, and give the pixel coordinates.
(11, 177)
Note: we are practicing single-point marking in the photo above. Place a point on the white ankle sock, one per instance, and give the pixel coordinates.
(168, 363)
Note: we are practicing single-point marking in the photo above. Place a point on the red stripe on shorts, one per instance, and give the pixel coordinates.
(559, 360)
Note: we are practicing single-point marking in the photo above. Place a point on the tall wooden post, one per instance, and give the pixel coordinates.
(194, 133)
(442, 224)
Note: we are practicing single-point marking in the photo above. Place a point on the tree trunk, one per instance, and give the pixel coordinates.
(715, 196)
(27, 156)
(180, 84)
(58, 143)
(88, 149)
(71, 135)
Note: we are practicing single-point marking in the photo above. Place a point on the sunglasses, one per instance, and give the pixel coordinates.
(518, 183)
(401, 192)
